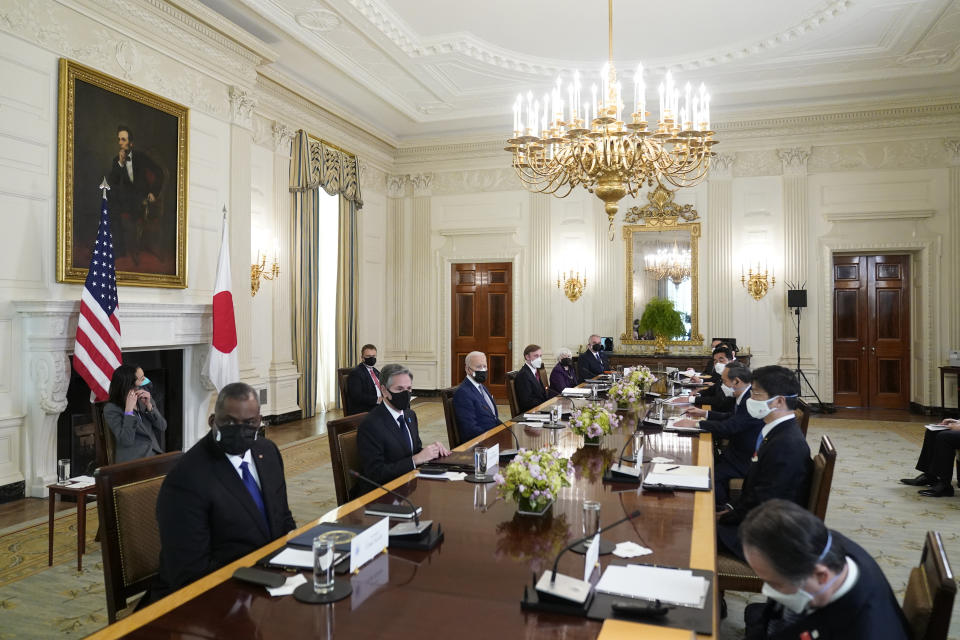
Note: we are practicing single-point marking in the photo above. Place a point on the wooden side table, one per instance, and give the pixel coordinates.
(81, 495)
(943, 372)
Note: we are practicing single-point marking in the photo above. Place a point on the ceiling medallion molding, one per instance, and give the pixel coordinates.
(404, 38)
(661, 211)
(319, 20)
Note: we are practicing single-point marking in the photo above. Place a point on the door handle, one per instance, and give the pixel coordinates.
(873, 349)
(864, 349)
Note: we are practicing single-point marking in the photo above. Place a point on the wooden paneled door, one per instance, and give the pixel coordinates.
(871, 331)
(482, 319)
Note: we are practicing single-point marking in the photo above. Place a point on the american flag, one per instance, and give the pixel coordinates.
(97, 350)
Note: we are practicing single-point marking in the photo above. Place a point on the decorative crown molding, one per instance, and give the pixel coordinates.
(794, 160)
(422, 184)
(953, 151)
(396, 186)
(721, 166)
(242, 105)
(282, 137)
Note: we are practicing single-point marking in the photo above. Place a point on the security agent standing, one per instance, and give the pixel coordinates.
(388, 440)
(820, 584)
(473, 403)
(363, 383)
(594, 361)
(226, 496)
(780, 466)
(739, 428)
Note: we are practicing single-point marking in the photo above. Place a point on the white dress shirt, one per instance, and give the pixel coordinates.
(376, 385)
(396, 421)
(767, 428)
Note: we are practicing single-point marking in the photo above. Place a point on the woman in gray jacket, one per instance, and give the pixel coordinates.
(132, 416)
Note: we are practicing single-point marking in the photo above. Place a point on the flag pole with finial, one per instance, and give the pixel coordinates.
(104, 187)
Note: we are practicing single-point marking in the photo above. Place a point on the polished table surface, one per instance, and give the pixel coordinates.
(472, 583)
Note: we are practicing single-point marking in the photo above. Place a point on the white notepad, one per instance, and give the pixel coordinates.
(679, 476)
(670, 586)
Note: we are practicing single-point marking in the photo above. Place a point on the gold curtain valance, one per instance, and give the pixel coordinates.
(319, 164)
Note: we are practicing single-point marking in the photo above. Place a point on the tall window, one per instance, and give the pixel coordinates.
(327, 296)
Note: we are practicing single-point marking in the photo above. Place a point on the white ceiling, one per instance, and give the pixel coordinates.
(413, 70)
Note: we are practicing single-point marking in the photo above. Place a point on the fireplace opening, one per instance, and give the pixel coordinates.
(75, 428)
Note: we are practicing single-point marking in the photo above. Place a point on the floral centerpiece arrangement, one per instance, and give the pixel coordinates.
(594, 421)
(534, 478)
(631, 388)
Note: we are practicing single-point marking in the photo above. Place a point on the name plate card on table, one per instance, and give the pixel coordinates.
(493, 457)
(368, 543)
(618, 467)
(591, 558)
(575, 392)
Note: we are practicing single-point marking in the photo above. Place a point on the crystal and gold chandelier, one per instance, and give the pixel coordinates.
(562, 141)
(674, 265)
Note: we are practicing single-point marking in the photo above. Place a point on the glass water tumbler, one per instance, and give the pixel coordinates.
(324, 551)
(63, 470)
(591, 518)
(555, 413)
(480, 462)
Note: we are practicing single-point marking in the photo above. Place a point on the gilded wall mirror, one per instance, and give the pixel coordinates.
(662, 260)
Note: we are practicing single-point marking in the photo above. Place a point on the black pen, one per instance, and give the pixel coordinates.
(672, 468)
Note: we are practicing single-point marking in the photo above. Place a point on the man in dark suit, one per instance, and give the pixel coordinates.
(225, 497)
(473, 403)
(363, 383)
(712, 394)
(819, 583)
(738, 428)
(529, 388)
(388, 440)
(781, 465)
(136, 182)
(937, 460)
(594, 360)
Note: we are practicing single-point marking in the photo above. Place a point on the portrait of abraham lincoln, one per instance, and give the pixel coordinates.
(136, 141)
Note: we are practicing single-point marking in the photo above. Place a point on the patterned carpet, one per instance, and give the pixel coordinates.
(867, 503)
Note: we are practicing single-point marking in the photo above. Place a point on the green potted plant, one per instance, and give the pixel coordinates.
(663, 320)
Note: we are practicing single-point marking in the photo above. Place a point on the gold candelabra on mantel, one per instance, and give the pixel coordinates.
(572, 285)
(260, 271)
(757, 284)
(560, 143)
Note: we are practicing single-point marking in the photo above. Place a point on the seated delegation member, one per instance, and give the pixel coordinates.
(529, 388)
(132, 417)
(593, 361)
(713, 395)
(473, 403)
(388, 441)
(708, 367)
(781, 466)
(226, 496)
(741, 430)
(937, 460)
(563, 375)
(363, 383)
(819, 583)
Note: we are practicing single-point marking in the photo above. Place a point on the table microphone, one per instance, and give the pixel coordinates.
(416, 518)
(508, 452)
(553, 576)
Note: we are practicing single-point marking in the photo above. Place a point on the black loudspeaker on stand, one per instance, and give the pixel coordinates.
(797, 300)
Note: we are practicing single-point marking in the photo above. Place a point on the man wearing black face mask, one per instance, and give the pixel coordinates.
(225, 497)
(473, 403)
(363, 384)
(388, 440)
(594, 361)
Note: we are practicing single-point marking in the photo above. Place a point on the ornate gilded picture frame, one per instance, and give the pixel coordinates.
(137, 141)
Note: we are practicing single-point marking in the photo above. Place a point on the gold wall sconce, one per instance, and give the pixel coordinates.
(757, 284)
(572, 285)
(259, 270)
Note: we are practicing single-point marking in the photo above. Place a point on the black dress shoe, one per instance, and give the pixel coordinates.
(939, 490)
(922, 480)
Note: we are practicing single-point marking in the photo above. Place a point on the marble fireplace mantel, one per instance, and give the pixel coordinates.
(48, 330)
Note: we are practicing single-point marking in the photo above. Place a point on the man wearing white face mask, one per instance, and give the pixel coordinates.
(530, 391)
(820, 584)
(739, 428)
(713, 395)
(781, 465)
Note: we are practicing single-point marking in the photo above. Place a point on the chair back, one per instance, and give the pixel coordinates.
(127, 498)
(803, 415)
(450, 415)
(543, 376)
(344, 454)
(931, 590)
(104, 440)
(511, 377)
(342, 374)
(822, 477)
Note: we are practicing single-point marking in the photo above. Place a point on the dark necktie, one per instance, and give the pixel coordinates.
(405, 430)
(254, 491)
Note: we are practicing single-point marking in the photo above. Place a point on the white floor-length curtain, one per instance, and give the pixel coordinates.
(329, 220)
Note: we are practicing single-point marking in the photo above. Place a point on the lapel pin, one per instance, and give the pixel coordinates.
(260, 455)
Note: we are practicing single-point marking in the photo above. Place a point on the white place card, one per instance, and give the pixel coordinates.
(493, 457)
(564, 587)
(625, 470)
(591, 557)
(368, 543)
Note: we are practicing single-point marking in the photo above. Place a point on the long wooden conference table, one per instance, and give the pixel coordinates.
(471, 585)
